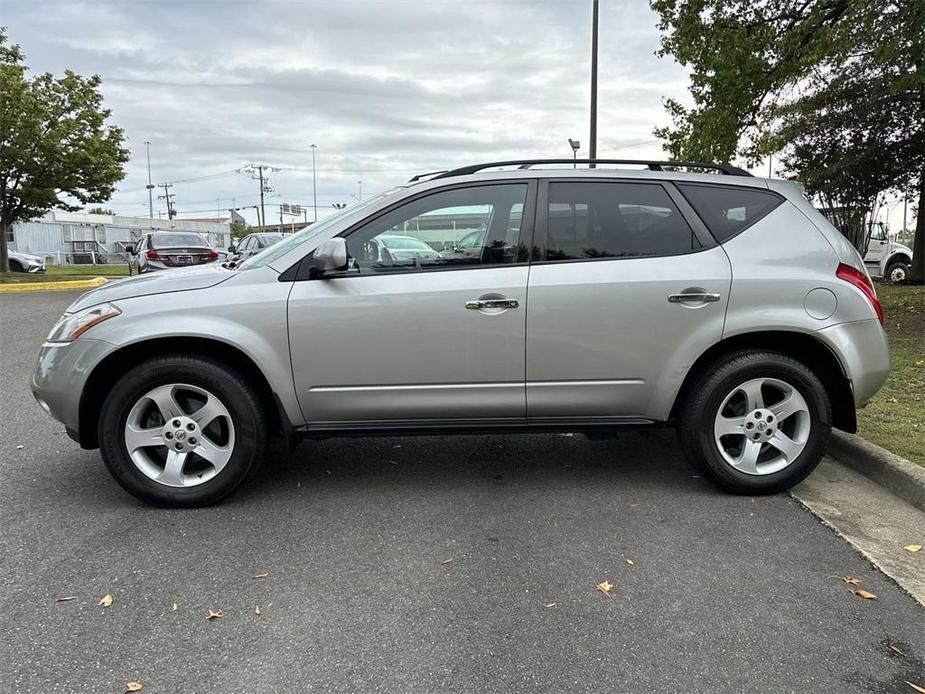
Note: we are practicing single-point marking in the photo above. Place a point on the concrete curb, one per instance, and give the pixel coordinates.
(906, 480)
(45, 286)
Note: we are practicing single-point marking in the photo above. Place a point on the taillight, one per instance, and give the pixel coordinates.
(154, 255)
(860, 280)
(211, 255)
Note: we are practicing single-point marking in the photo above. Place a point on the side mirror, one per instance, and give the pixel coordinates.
(231, 248)
(330, 256)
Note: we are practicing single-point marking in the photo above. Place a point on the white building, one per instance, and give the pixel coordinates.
(78, 237)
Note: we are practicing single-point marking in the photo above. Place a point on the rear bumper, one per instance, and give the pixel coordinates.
(864, 353)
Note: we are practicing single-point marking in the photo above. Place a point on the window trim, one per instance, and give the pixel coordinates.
(698, 184)
(527, 231)
(698, 228)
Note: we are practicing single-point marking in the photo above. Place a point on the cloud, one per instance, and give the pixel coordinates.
(383, 88)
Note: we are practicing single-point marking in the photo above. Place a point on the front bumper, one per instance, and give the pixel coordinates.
(61, 372)
(864, 353)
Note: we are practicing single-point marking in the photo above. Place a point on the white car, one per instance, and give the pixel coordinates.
(25, 262)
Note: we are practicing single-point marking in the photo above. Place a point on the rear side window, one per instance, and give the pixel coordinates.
(727, 210)
(587, 220)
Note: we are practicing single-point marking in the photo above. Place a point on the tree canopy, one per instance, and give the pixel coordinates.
(836, 88)
(56, 148)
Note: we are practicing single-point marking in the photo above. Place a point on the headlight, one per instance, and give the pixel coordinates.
(69, 328)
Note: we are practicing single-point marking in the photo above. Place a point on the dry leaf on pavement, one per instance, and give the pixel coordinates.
(133, 686)
(551, 604)
(895, 649)
(864, 594)
(446, 562)
(66, 599)
(851, 580)
(215, 614)
(920, 690)
(257, 610)
(175, 607)
(913, 548)
(263, 574)
(605, 587)
(105, 601)
(631, 562)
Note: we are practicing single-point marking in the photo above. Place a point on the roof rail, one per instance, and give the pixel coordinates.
(652, 165)
(420, 176)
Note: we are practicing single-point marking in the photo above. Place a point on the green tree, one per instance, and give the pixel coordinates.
(56, 150)
(837, 87)
(100, 210)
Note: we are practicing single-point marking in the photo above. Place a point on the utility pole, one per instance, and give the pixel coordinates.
(263, 214)
(360, 191)
(314, 187)
(171, 212)
(593, 133)
(256, 173)
(150, 186)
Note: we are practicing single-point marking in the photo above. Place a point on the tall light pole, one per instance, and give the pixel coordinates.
(150, 186)
(314, 187)
(593, 133)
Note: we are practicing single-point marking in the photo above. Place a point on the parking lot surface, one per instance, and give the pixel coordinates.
(457, 564)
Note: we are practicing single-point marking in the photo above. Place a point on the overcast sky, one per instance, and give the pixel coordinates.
(385, 88)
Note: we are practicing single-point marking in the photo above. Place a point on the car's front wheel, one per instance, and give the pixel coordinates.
(181, 431)
(757, 422)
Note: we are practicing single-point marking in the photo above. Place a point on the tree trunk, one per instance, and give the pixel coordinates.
(917, 275)
(4, 253)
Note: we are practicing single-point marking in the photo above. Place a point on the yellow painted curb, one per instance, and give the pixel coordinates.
(63, 285)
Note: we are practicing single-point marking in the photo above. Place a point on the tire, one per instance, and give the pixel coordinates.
(721, 399)
(15, 266)
(232, 440)
(897, 271)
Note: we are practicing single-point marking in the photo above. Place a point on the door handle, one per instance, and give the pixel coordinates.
(478, 304)
(693, 297)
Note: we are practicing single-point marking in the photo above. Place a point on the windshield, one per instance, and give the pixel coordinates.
(176, 240)
(278, 250)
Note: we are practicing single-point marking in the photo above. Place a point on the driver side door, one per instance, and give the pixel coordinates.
(412, 335)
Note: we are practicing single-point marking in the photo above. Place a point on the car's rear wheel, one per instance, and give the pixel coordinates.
(757, 422)
(181, 431)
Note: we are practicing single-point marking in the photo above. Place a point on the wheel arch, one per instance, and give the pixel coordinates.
(801, 346)
(116, 364)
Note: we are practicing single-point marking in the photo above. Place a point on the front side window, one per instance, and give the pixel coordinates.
(603, 219)
(476, 225)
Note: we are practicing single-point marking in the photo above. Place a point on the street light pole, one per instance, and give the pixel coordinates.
(150, 186)
(593, 133)
(360, 191)
(314, 187)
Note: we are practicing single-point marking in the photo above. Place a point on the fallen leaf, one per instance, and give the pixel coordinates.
(551, 604)
(66, 599)
(133, 686)
(864, 594)
(105, 601)
(446, 562)
(851, 580)
(175, 607)
(215, 614)
(895, 649)
(605, 587)
(892, 399)
(263, 574)
(257, 610)
(920, 690)
(913, 548)
(631, 562)
(20, 447)
(634, 504)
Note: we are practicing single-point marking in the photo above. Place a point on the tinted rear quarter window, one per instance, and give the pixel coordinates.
(728, 210)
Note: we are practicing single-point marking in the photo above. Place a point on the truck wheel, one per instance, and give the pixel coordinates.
(897, 271)
(756, 422)
(181, 431)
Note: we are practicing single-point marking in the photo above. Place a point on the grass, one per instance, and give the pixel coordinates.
(64, 273)
(895, 417)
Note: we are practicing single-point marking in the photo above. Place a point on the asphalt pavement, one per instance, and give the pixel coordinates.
(444, 564)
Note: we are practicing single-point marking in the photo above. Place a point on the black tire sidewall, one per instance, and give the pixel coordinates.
(892, 266)
(732, 373)
(233, 391)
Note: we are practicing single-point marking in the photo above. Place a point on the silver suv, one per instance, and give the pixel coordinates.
(601, 298)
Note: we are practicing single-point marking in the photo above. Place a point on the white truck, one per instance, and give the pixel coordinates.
(885, 258)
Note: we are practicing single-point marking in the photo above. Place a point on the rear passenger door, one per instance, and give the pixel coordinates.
(627, 288)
